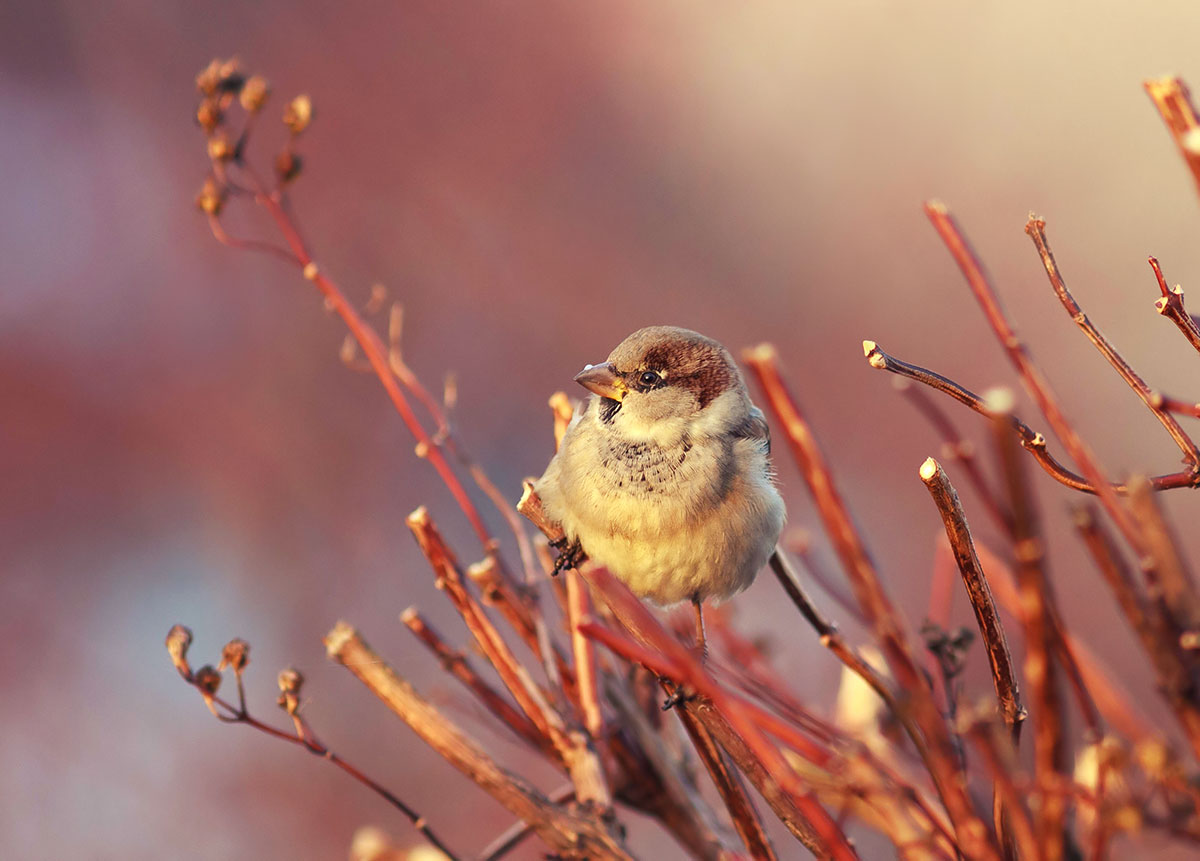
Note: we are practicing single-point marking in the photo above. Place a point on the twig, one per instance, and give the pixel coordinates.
(990, 628)
(530, 505)
(1174, 103)
(954, 446)
(760, 761)
(1035, 443)
(514, 835)
(576, 834)
(572, 746)
(984, 734)
(756, 678)
(493, 646)
(369, 342)
(563, 410)
(1149, 621)
(672, 794)
(206, 680)
(1031, 376)
(445, 435)
(525, 617)
(1163, 564)
(980, 594)
(1031, 440)
(1170, 305)
(1104, 696)
(1174, 405)
(585, 658)
(802, 547)
(885, 621)
(458, 666)
(832, 639)
(219, 233)
(1049, 744)
(730, 788)
(1036, 229)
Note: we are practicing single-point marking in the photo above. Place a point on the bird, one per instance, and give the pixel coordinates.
(664, 476)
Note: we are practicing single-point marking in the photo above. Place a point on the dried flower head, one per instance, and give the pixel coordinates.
(208, 115)
(298, 114)
(211, 197)
(254, 93)
(209, 78)
(372, 844)
(236, 655)
(220, 148)
(290, 682)
(208, 680)
(1152, 756)
(179, 638)
(221, 76)
(231, 78)
(287, 166)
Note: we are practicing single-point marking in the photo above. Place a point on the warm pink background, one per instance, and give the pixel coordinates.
(180, 443)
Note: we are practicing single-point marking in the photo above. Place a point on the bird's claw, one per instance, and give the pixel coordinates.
(570, 555)
(678, 697)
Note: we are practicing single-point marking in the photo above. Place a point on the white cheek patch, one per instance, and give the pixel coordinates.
(719, 415)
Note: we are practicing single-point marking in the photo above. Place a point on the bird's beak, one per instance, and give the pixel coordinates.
(601, 380)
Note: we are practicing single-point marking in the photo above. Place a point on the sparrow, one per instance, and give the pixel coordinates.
(664, 476)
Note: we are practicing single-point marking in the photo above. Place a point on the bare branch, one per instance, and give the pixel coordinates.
(573, 833)
(1170, 305)
(1174, 103)
(1050, 754)
(459, 667)
(980, 594)
(1035, 383)
(885, 620)
(1031, 440)
(1036, 229)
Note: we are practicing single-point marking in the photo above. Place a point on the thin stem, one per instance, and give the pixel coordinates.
(309, 742)
(1174, 405)
(585, 657)
(1150, 622)
(884, 618)
(219, 233)
(730, 788)
(818, 574)
(1036, 229)
(516, 834)
(1170, 305)
(986, 617)
(1031, 376)
(975, 582)
(1049, 743)
(832, 639)
(1174, 103)
(1031, 440)
(563, 829)
(954, 446)
(458, 666)
(373, 349)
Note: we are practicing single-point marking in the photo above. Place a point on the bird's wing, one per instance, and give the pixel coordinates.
(755, 428)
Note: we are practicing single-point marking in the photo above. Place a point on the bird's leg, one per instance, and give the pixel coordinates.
(570, 554)
(701, 636)
(701, 649)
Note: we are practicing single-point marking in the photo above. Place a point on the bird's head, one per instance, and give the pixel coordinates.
(662, 382)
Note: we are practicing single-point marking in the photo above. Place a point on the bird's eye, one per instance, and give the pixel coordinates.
(650, 379)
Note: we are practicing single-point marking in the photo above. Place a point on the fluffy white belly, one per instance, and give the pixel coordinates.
(669, 552)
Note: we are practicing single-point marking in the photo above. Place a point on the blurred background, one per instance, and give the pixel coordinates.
(180, 443)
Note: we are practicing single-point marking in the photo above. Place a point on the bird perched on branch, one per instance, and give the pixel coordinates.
(663, 475)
